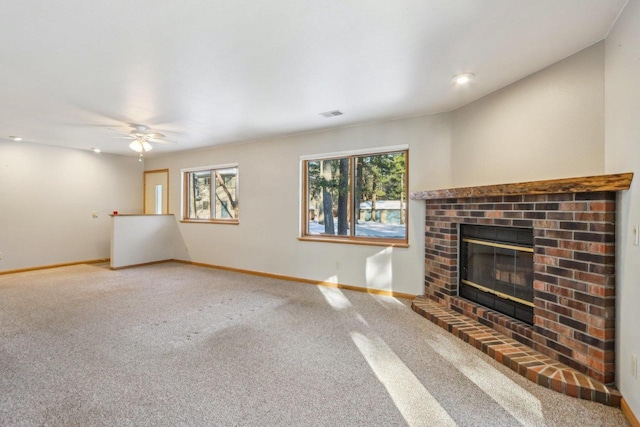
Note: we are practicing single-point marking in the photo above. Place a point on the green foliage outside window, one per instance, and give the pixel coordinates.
(357, 196)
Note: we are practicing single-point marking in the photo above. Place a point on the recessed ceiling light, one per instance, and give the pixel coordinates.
(95, 150)
(463, 78)
(331, 113)
(15, 138)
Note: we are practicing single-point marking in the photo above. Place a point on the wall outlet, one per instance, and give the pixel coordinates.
(634, 365)
(94, 214)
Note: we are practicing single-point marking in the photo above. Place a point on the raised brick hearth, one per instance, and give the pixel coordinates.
(518, 357)
(574, 259)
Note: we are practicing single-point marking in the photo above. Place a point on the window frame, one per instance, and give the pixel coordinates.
(184, 209)
(304, 234)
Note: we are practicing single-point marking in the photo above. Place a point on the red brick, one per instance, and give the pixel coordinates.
(582, 358)
(543, 259)
(572, 284)
(596, 365)
(602, 206)
(546, 314)
(557, 385)
(561, 253)
(557, 327)
(598, 279)
(601, 291)
(575, 305)
(603, 334)
(596, 321)
(539, 285)
(545, 224)
(602, 248)
(573, 344)
(576, 246)
(559, 290)
(573, 206)
(571, 388)
(596, 353)
(591, 216)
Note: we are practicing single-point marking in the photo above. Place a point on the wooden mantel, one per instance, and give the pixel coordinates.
(587, 184)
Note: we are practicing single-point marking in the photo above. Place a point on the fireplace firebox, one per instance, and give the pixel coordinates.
(496, 269)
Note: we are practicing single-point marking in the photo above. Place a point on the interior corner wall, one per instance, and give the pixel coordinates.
(48, 195)
(266, 240)
(622, 144)
(547, 125)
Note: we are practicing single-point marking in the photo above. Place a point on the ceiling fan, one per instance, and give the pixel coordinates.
(142, 137)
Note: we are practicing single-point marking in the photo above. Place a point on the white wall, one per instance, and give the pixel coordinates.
(141, 239)
(47, 196)
(622, 132)
(547, 125)
(266, 238)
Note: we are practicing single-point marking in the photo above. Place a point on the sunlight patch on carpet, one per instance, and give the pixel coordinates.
(521, 404)
(415, 403)
(335, 298)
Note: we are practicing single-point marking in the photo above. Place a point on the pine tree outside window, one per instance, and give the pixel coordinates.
(356, 198)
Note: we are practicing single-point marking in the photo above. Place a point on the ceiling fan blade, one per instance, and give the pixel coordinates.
(87, 125)
(154, 135)
(161, 141)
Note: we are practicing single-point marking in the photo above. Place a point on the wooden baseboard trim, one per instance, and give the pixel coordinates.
(626, 410)
(301, 280)
(222, 267)
(45, 267)
(124, 267)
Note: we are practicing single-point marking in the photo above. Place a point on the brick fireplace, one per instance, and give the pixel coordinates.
(573, 224)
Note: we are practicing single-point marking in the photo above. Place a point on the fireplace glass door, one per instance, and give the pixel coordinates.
(497, 269)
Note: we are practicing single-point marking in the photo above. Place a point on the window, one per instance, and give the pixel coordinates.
(211, 195)
(158, 207)
(356, 198)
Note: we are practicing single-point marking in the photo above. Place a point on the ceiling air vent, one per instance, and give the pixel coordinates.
(333, 113)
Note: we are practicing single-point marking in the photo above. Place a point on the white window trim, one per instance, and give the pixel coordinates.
(205, 168)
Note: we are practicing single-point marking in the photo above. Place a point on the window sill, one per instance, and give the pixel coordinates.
(211, 221)
(356, 241)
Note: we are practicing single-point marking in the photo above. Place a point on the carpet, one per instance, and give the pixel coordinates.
(179, 345)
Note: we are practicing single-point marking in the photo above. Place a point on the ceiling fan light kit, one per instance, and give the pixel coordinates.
(139, 145)
(142, 137)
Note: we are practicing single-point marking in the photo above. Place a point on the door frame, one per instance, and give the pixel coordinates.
(144, 188)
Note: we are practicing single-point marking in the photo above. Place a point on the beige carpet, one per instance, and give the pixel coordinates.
(179, 345)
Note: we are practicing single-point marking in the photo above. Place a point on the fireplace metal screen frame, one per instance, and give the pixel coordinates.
(508, 305)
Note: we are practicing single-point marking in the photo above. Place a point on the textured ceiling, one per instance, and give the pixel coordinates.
(76, 73)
